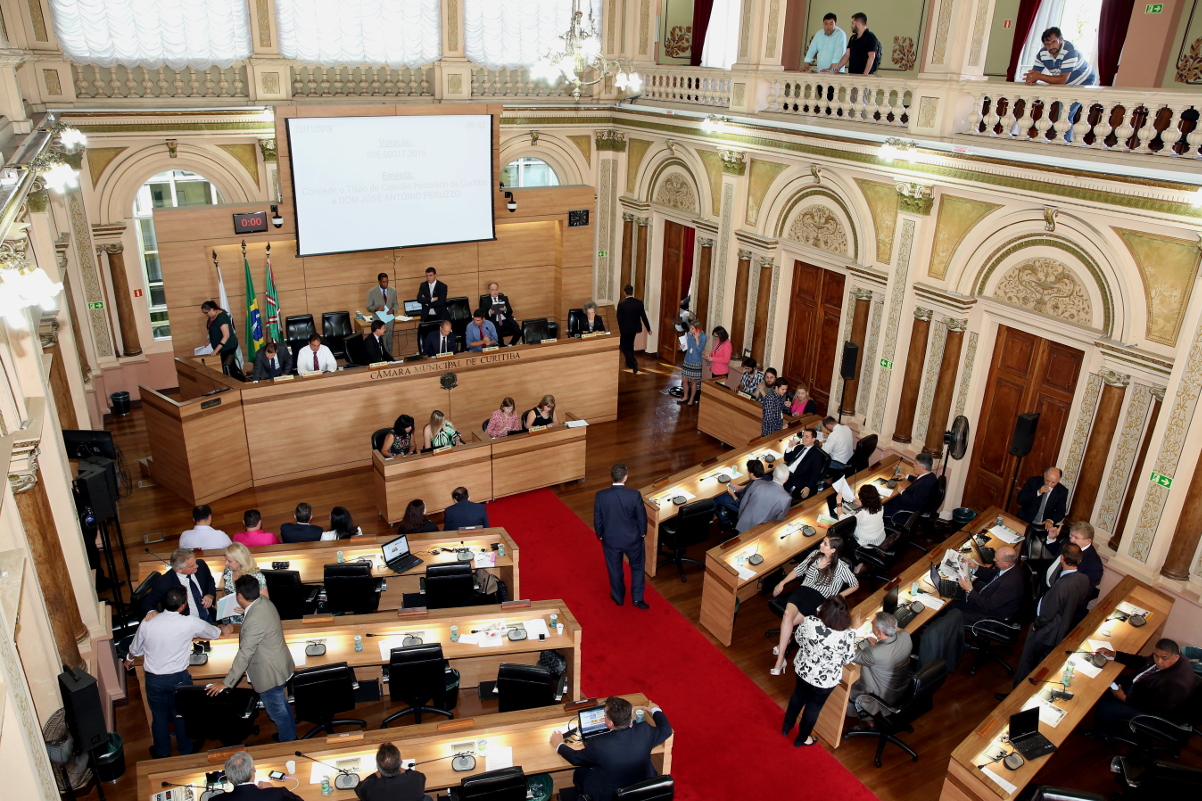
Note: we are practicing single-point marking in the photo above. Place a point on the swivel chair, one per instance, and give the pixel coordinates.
(228, 718)
(451, 585)
(323, 691)
(299, 326)
(424, 329)
(354, 349)
(138, 597)
(460, 313)
(535, 331)
(916, 702)
(1144, 780)
(335, 328)
(417, 674)
(351, 588)
(505, 784)
(690, 527)
(657, 788)
(1154, 734)
(576, 318)
(861, 455)
(292, 599)
(1046, 793)
(378, 436)
(986, 635)
(528, 687)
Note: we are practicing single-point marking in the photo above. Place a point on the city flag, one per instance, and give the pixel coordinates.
(254, 318)
(273, 303)
(224, 300)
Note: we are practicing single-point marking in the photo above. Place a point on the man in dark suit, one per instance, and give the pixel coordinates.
(620, 520)
(805, 462)
(193, 574)
(1043, 498)
(914, 497)
(1080, 534)
(270, 362)
(997, 592)
(302, 530)
(432, 295)
(1162, 686)
(632, 317)
(1054, 615)
(240, 772)
(376, 345)
(391, 782)
(501, 314)
(441, 341)
(620, 757)
(463, 513)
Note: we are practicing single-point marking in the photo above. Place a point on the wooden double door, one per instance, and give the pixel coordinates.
(677, 275)
(815, 308)
(1028, 374)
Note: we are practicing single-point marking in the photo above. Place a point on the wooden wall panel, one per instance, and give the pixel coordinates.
(531, 289)
(519, 244)
(455, 258)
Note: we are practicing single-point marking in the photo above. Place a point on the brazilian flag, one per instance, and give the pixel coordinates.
(254, 318)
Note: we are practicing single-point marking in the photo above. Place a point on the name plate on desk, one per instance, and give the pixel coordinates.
(443, 355)
(743, 394)
(308, 373)
(378, 365)
(491, 348)
(589, 335)
(280, 378)
(443, 449)
(209, 404)
(532, 429)
(545, 341)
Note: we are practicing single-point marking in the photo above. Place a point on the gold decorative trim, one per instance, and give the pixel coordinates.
(247, 156)
(636, 150)
(1089, 406)
(956, 218)
(38, 21)
(869, 367)
(897, 297)
(583, 143)
(1113, 378)
(882, 204)
(1131, 433)
(923, 314)
(929, 379)
(734, 162)
(794, 201)
(914, 198)
(54, 84)
(610, 140)
(1168, 267)
(970, 356)
(99, 158)
(263, 16)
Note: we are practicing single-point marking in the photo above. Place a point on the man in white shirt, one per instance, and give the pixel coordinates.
(316, 358)
(840, 443)
(202, 534)
(164, 641)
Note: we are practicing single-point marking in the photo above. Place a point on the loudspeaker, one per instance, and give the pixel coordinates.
(81, 701)
(1024, 434)
(851, 353)
(97, 490)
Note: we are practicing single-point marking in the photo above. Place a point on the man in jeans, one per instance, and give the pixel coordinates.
(262, 655)
(164, 641)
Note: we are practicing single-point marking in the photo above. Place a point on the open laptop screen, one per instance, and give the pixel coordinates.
(889, 604)
(592, 722)
(412, 307)
(1025, 722)
(395, 549)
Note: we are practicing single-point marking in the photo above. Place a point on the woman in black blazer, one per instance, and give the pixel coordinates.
(592, 321)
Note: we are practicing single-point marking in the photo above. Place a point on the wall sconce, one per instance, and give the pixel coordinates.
(895, 148)
(276, 219)
(510, 203)
(23, 285)
(714, 124)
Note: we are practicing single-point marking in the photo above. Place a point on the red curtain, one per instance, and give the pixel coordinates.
(1112, 33)
(1023, 20)
(701, 23)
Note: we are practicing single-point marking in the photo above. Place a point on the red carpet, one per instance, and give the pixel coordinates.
(728, 742)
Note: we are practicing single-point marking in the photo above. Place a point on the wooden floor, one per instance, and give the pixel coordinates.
(654, 436)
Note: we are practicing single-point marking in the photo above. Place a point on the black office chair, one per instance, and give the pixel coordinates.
(227, 718)
(916, 702)
(658, 788)
(861, 455)
(378, 436)
(535, 331)
(352, 589)
(299, 326)
(460, 312)
(335, 328)
(424, 329)
(930, 527)
(1152, 735)
(354, 350)
(575, 321)
(881, 559)
(1143, 780)
(138, 598)
(450, 585)
(1045, 793)
(690, 527)
(292, 599)
(528, 687)
(319, 693)
(505, 784)
(417, 674)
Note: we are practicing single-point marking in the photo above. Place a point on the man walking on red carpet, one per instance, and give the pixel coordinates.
(620, 520)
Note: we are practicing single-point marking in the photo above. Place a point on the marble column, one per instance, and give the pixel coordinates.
(60, 388)
(945, 386)
(642, 256)
(704, 264)
(1185, 537)
(37, 519)
(763, 307)
(859, 335)
(1097, 449)
(738, 320)
(627, 252)
(126, 320)
(1141, 459)
(916, 358)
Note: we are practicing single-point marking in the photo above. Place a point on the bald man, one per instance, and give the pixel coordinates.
(996, 592)
(1043, 498)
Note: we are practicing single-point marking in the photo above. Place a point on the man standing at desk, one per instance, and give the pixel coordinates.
(620, 520)
(378, 343)
(441, 341)
(619, 758)
(500, 314)
(382, 298)
(1080, 534)
(432, 295)
(632, 318)
(1054, 615)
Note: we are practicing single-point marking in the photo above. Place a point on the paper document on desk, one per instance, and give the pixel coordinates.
(469, 639)
(1095, 645)
(576, 424)
(486, 559)
(536, 627)
(297, 649)
(388, 643)
(384, 317)
(402, 318)
(844, 489)
(1048, 712)
(499, 756)
(1082, 665)
(207, 350)
(490, 639)
(883, 491)
(999, 781)
(954, 566)
(1128, 608)
(225, 606)
(1006, 534)
(745, 573)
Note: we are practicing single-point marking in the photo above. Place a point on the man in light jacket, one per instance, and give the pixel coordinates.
(884, 670)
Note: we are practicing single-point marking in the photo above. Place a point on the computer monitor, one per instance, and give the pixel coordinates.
(395, 549)
(81, 444)
(412, 307)
(592, 722)
(889, 604)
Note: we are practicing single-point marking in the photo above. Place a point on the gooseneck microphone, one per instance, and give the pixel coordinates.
(1057, 695)
(216, 389)
(345, 780)
(157, 556)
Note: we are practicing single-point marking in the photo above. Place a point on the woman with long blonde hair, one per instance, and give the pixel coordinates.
(239, 561)
(439, 432)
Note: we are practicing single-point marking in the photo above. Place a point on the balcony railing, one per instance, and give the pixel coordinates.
(850, 98)
(362, 81)
(134, 82)
(702, 86)
(518, 83)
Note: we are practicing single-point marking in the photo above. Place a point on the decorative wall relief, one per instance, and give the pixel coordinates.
(1168, 267)
(818, 227)
(99, 158)
(584, 143)
(679, 42)
(882, 204)
(1076, 449)
(635, 150)
(89, 271)
(713, 171)
(970, 356)
(247, 156)
(897, 295)
(727, 221)
(1189, 65)
(1124, 457)
(676, 191)
(904, 53)
(1048, 287)
(930, 377)
(607, 200)
(761, 174)
(957, 216)
(869, 366)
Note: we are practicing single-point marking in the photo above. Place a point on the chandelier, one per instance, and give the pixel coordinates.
(23, 285)
(581, 53)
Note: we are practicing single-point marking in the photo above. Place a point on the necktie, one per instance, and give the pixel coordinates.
(1043, 503)
(315, 367)
(444, 345)
(798, 460)
(194, 595)
(384, 295)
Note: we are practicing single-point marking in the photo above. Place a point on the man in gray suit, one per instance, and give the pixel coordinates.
(765, 500)
(262, 656)
(383, 298)
(1054, 615)
(884, 670)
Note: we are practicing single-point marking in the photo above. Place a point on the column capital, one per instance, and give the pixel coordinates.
(609, 139)
(267, 147)
(111, 248)
(705, 242)
(48, 329)
(923, 314)
(23, 468)
(744, 255)
(1158, 393)
(954, 324)
(765, 262)
(734, 162)
(643, 221)
(627, 217)
(1114, 379)
(914, 198)
(860, 293)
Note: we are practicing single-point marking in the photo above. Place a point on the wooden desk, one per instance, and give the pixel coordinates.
(777, 543)
(475, 664)
(834, 713)
(701, 481)
(966, 782)
(729, 417)
(536, 459)
(340, 411)
(527, 732)
(310, 559)
(432, 477)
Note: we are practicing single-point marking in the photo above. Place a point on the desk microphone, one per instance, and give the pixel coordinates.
(216, 389)
(161, 559)
(345, 780)
(1057, 695)
(461, 762)
(1093, 658)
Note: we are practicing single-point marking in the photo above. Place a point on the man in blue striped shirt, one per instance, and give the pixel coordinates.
(1061, 63)
(827, 46)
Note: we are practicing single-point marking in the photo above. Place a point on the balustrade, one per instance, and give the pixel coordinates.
(119, 82)
(702, 86)
(363, 81)
(851, 98)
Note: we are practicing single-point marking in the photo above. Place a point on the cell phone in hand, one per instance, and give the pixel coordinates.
(276, 775)
(1114, 685)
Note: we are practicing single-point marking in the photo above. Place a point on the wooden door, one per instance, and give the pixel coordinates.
(669, 295)
(815, 309)
(1027, 374)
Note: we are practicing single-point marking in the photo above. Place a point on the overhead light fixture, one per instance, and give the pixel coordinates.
(53, 171)
(23, 285)
(714, 124)
(510, 203)
(895, 148)
(581, 55)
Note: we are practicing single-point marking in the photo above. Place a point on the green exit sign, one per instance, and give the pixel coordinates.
(97, 304)
(1154, 8)
(888, 365)
(1162, 480)
(601, 254)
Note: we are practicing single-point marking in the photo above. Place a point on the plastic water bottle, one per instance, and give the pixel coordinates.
(454, 633)
(501, 550)
(341, 557)
(326, 789)
(639, 715)
(358, 643)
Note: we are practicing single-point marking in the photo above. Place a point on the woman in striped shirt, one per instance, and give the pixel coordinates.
(823, 574)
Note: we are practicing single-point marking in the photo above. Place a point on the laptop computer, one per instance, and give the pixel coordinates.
(592, 722)
(397, 555)
(413, 307)
(889, 604)
(945, 587)
(1025, 736)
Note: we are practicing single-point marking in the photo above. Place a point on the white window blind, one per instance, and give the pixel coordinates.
(396, 33)
(517, 33)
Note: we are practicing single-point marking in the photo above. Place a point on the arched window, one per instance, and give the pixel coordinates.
(529, 172)
(167, 190)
